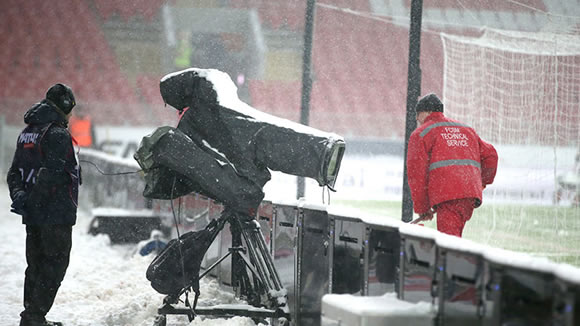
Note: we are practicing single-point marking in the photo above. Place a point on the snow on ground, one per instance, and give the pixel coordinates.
(105, 285)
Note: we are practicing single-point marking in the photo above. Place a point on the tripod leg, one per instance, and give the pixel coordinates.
(258, 256)
(262, 262)
(268, 262)
(240, 279)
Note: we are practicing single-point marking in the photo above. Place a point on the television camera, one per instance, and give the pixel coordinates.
(224, 149)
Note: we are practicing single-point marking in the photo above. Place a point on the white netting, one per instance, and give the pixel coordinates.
(515, 87)
(521, 92)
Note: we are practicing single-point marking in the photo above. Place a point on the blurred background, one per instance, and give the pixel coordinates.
(509, 68)
(113, 54)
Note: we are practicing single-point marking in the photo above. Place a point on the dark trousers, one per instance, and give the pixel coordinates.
(47, 254)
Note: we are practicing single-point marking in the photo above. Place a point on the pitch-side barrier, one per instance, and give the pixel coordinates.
(340, 267)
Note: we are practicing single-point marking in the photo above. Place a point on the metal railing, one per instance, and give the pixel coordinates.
(317, 251)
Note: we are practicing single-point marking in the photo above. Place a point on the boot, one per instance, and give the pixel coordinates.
(52, 323)
(38, 322)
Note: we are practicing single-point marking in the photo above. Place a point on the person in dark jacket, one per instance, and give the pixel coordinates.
(43, 181)
(448, 166)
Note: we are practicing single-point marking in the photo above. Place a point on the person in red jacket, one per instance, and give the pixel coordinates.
(81, 129)
(448, 166)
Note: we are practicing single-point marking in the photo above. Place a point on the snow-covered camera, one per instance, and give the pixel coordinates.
(223, 147)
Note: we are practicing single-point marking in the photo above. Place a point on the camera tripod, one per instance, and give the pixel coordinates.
(254, 276)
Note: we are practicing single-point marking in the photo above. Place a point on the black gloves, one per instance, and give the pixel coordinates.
(18, 202)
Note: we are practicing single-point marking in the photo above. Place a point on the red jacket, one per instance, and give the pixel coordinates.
(447, 160)
(81, 130)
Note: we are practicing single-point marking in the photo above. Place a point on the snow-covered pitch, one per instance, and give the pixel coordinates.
(105, 284)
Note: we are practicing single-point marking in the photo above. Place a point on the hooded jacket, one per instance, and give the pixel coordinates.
(447, 160)
(45, 167)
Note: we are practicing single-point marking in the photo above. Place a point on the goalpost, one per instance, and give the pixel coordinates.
(516, 87)
(521, 92)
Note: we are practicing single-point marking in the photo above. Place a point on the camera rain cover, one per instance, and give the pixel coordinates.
(217, 125)
(174, 166)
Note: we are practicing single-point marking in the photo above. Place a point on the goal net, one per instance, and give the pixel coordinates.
(516, 88)
(521, 92)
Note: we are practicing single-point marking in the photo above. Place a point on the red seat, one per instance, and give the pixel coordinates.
(126, 10)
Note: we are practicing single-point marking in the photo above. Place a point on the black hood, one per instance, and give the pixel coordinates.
(44, 112)
(186, 88)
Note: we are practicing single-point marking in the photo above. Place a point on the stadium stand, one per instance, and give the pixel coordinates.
(50, 42)
(359, 69)
(483, 5)
(277, 14)
(281, 99)
(126, 10)
(458, 15)
(148, 90)
(290, 14)
(356, 73)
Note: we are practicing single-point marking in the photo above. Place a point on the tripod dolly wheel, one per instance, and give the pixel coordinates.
(283, 322)
(160, 320)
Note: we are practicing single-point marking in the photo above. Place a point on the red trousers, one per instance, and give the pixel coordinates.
(452, 215)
